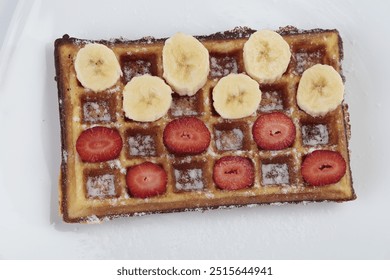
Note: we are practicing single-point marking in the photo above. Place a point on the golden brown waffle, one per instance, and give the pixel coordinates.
(92, 192)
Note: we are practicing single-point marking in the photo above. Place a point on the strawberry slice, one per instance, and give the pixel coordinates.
(146, 179)
(323, 167)
(186, 136)
(98, 144)
(273, 131)
(233, 173)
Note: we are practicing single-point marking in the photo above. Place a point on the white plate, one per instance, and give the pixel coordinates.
(30, 143)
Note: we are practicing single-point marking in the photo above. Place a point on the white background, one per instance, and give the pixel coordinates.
(30, 137)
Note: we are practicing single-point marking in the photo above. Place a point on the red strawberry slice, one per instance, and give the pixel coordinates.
(186, 136)
(273, 131)
(146, 179)
(323, 168)
(233, 173)
(98, 144)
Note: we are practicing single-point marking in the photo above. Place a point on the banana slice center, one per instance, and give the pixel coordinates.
(98, 66)
(265, 53)
(185, 64)
(150, 99)
(236, 97)
(319, 87)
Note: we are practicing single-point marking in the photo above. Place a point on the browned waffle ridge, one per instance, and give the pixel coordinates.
(109, 198)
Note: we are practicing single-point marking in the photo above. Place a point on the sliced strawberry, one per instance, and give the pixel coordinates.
(273, 131)
(187, 135)
(233, 173)
(146, 179)
(98, 144)
(323, 168)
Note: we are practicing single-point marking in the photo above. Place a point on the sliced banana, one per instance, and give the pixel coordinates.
(320, 90)
(236, 96)
(97, 67)
(146, 98)
(186, 64)
(266, 56)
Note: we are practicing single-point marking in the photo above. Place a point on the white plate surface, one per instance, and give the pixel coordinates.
(30, 138)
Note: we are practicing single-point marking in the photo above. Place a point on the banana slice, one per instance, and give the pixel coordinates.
(186, 64)
(320, 90)
(146, 98)
(266, 56)
(97, 67)
(236, 96)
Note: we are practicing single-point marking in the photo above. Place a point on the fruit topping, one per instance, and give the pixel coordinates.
(146, 180)
(98, 144)
(274, 131)
(233, 173)
(186, 136)
(323, 167)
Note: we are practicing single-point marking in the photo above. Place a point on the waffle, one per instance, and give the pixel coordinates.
(94, 192)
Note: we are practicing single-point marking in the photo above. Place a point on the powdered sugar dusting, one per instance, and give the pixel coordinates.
(142, 145)
(134, 68)
(271, 101)
(189, 179)
(305, 60)
(101, 186)
(184, 106)
(65, 156)
(96, 112)
(116, 164)
(315, 135)
(93, 219)
(222, 66)
(227, 140)
(114, 89)
(275, 174)
(209, 195)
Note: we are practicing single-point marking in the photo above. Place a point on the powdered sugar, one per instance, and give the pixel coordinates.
(114, 89)
(93, 219)
(271, 101)
(315, 135)
(101, 186)
(222, 66)
(65, 156)
(96, 111)
(209, 195)
(305, 60)
(116, 164)
(184, 106)
(275, 174)
(142, 145)
(227, 140)
(189, 179)
(134, 68)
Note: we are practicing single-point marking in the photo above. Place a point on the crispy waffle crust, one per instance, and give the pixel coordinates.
(94, 192)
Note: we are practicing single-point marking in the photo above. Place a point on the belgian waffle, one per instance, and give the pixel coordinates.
(93, 192)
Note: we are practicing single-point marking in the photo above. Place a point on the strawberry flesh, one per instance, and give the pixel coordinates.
(233, 173)
(274, 131)
(323, 167)
(186, 136)
(146, 180)
(99, 144)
